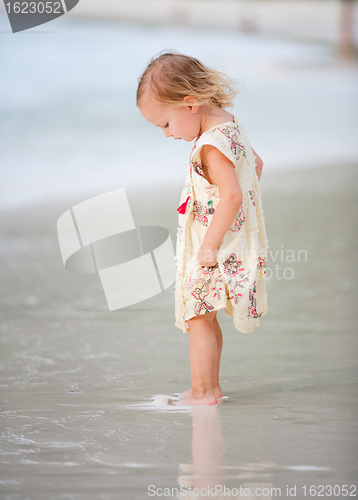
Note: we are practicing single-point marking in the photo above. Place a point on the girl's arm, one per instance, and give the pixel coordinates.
(219, 170)
(259, 164)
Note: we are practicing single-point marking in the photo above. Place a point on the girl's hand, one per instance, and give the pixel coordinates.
(207, 255)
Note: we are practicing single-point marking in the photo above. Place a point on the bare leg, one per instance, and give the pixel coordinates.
(219, 342)
(203, 357)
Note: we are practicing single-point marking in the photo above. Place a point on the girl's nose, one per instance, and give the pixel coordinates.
(167, 133)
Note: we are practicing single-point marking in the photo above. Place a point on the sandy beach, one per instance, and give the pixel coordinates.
(77, 380)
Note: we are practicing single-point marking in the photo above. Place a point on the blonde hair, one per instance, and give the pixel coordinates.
(171, 76)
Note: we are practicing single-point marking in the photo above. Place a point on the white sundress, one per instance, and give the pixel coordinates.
(237, 282)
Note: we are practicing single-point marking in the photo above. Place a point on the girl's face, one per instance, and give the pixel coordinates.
(180, 122)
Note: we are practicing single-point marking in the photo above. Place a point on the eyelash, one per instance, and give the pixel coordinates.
(167, 125)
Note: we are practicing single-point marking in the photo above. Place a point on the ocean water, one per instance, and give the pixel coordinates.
(69, 125)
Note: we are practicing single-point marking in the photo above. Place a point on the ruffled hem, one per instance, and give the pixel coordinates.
(245, 325)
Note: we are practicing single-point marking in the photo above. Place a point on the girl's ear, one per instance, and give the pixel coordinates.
(192, 103)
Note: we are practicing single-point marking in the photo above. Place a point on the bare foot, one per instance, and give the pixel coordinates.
(190, 400)
(217, 392)
(185, 393)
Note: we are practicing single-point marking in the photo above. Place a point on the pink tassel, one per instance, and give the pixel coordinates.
(182, 207)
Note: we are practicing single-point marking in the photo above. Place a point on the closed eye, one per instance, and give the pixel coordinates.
(166, 125)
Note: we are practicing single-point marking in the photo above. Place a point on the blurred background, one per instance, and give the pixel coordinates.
(69, 121)
(76, 379)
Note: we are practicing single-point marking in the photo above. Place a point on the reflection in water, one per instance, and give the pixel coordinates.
(206, 471)
(207, 476)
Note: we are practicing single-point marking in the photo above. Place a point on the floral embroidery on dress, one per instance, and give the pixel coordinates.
(243, 277)
(218, 290)
(238, 276)
(234, 296)
(198, 168)
(239, 221)
(212, 191)
(252, 198)
(200, 213)
(200, 291)
(252, 311)
(261, 266)
(236, 146)
(209, 269)
(231, 265)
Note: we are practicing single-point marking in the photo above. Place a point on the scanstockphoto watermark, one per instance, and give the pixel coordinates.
(282, 259)
(277, 263)
(25, 15)
(214, 491)
(135, 263)
(99, 236)
(264, 491)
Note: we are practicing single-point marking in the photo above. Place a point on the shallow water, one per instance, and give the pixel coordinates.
(78, 381)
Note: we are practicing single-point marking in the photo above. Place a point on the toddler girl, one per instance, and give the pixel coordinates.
(221, 239)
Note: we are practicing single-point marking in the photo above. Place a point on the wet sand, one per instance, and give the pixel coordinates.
(77, 379)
